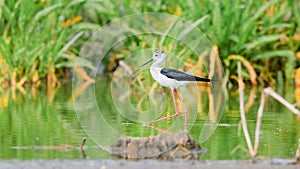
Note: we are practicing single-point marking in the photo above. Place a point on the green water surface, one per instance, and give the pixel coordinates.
(46, 117)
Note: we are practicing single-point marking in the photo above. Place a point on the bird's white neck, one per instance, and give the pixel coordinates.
(158, 64)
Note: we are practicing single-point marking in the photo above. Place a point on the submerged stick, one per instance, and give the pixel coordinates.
(271, 92)
(242, 111)
(265, 92)
(82, 147)
(258, 121)
(82, 144)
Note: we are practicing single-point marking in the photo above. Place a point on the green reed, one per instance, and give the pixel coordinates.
(40, 36)
(261, 32)
(34, 37)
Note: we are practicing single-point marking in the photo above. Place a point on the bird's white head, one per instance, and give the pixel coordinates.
(159, 58)
(159, 55)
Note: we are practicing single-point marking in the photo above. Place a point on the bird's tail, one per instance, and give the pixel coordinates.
(201, 79)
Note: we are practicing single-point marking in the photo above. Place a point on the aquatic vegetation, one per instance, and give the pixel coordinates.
(35, 36)
(265, 33)
(41, 39)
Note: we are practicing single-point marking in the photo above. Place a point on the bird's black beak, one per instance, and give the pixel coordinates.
(146, 62)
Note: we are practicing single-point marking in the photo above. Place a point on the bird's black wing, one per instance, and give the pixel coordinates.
(181, 76)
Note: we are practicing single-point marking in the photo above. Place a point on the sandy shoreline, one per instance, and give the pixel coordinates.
(144, 164)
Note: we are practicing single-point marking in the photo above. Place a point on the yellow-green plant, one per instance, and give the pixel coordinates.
(263, 32)
(34, 37)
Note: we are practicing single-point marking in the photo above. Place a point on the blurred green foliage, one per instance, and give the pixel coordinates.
(40, 35)
(34, 37)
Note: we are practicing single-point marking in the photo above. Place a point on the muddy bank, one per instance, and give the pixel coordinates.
(143, 164)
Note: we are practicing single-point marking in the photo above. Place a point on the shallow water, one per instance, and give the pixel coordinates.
(46, 117)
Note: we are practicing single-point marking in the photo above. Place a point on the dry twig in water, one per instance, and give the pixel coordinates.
(265, 93)
(242, 112)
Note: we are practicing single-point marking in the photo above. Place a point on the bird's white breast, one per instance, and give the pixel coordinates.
(164, 80)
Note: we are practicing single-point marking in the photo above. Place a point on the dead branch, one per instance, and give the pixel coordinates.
(242, 112)
(276, 96)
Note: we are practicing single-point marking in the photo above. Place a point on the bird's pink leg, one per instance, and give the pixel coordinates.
(161, 129)
(185, 109)
(168, 117)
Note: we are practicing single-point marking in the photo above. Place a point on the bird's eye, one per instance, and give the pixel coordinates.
(155, 55)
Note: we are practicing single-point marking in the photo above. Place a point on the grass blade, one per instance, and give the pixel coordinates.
(191, 27)
(276, 53)
(261, 41)
(46, 11)
(71, 42)
(87, 26)
(259, 12)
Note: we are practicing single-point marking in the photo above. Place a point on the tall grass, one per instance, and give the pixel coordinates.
(34, 37)
(261, 32)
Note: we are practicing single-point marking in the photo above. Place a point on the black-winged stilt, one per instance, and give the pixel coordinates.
(171, 78)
